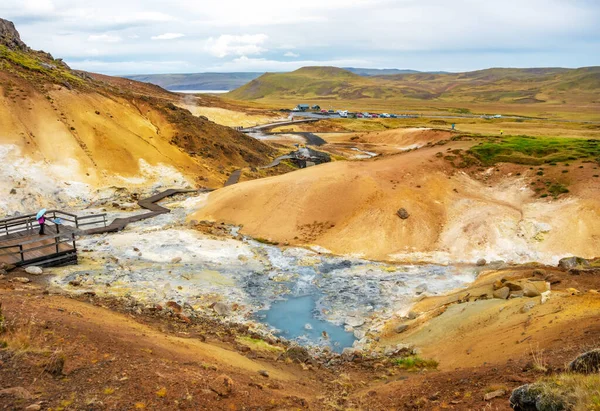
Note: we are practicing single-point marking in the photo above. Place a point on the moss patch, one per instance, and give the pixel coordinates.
(534, 150)
(258, 345)
(414, 362)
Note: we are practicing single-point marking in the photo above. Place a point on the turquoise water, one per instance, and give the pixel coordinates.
(296, 320)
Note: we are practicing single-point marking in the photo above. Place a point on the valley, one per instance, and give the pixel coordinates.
(384, 263)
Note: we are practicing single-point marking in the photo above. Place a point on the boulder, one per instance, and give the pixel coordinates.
(16, 392)
(222, 385)
(174, 306)
(494, 394)
(421, 288)
(9, 36)
(413, 315)
(264, 373)
(298, 354)
(221, 308)
(502, 293)
(553, 279)
(515, 294)
(33, 270)
(402, 213)
(586, 363)
(524, 397)
(498, 285)
(481, 262)
(176, 260)
(545, 296)
(570, 263)
(7, 267)
(527, 307)
(348, 354)
(401, 328)
(535, 397)
(23, 280)
(354, 321)
(530, 290)
(513, 286)
(359, 334)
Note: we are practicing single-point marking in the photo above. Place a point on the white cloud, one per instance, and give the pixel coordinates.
(131, 67)
(419, 34)
(104, 38)
(168, 36)
(245, 45)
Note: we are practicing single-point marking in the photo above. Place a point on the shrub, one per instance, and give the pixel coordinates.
(557, 189)
(414, 362)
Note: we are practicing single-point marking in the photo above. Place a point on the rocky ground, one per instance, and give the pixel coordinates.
(61, 352)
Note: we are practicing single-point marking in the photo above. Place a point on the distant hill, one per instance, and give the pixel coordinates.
(378, 72)
(197, 81)
(495, 85)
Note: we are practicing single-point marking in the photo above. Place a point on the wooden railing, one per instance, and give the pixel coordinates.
(21, 249)
(13, 225)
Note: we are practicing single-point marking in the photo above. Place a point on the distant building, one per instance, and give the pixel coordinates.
(316, 107)
(302, 107)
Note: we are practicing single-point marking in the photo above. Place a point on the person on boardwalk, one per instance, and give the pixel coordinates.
(41, 219)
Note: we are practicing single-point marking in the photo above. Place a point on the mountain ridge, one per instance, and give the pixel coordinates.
(506, 85)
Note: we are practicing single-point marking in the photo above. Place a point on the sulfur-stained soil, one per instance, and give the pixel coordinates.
(88, 353)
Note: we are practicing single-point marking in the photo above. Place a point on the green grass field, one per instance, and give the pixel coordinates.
(535, 150)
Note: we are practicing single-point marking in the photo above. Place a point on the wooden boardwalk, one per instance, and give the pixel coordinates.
(22, 245)
(234, 178)
(29, 247)
(149, 203)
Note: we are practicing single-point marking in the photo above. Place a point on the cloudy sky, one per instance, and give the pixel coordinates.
(183, 36)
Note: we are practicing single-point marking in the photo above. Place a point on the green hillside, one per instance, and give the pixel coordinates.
(495, 85)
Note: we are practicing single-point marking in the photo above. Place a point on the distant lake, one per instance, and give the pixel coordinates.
(200, 91)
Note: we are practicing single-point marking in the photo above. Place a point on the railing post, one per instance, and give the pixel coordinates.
(56, 242)
(74, 246)
(21, 253)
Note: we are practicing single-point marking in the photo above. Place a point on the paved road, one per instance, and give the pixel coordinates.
(277, 124)
(311, 139)
(455, 116)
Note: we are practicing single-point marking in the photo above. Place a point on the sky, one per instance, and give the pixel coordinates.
(187, 36)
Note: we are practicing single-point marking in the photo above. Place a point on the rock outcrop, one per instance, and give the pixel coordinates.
(586, 363)
(9, 36)
(571, 263)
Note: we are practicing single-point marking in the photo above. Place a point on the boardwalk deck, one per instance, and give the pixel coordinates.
(149, 203)
(28, 247)
(22, 245)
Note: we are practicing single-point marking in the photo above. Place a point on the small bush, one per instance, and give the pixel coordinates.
(415, 362)
(557, 189)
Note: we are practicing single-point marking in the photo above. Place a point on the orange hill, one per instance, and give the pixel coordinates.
(97, 127)
(350, 208)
